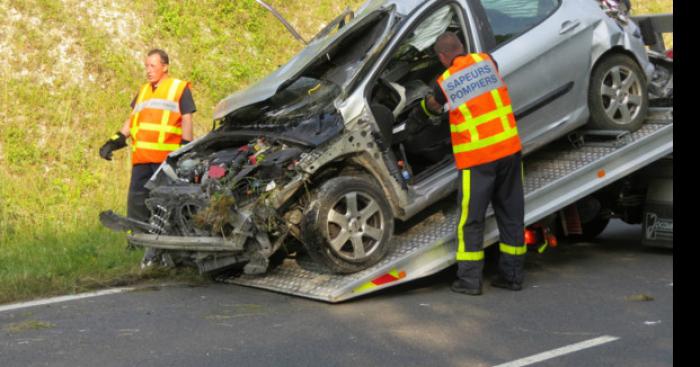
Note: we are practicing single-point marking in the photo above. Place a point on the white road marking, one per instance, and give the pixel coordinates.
(48, 301)
(560, 352)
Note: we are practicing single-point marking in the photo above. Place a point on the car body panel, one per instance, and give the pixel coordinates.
(547, 72)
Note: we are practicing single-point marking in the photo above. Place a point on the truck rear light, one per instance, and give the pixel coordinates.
(530, 237)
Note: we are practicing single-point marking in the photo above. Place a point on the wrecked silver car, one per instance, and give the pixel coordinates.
(324, 154)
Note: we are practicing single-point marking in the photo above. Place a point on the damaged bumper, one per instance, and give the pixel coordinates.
(180, 243)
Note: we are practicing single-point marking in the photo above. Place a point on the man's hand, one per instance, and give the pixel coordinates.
(116, 142)
(431, 105)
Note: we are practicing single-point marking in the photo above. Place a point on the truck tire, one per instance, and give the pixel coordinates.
(591, 229)
(595, 227)
(348, 224)
(617, 94)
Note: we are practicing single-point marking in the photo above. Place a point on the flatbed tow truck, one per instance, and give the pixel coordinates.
(557, 177)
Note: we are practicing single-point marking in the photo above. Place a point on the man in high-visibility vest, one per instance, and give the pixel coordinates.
(159, 123)
(487, 153)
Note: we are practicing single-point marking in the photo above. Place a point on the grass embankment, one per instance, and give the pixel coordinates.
(69, 71)
(640, 7)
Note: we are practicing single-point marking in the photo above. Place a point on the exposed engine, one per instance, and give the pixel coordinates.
(223, 194)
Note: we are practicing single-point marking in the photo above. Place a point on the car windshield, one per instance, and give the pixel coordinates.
(303, 97)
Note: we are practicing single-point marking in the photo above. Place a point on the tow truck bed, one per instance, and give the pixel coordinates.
(555, 177)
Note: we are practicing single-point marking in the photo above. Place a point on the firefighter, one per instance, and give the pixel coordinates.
(487, 153)
(160, 122)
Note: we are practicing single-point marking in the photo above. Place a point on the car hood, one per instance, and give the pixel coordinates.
(307, 57)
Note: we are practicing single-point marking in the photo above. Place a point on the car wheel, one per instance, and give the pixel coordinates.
(348, 224)
(617, 94)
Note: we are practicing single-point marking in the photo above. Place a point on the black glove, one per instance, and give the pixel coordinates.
(416, 120)
(184, 142)
(117, 142)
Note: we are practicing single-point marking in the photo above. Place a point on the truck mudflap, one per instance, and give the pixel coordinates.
(657, 226)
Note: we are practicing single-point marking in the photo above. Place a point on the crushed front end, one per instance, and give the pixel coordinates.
(217, 208)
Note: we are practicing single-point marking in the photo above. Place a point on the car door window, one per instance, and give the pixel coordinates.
(511, 18)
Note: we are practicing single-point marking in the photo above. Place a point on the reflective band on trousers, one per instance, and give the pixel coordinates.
(513, 250)
(470, 256)
(463, 255)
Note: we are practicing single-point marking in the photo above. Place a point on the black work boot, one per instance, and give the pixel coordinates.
(459, 287)
(501, 282)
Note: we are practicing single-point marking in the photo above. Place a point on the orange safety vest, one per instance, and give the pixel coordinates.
(156, 122)
(482, 123)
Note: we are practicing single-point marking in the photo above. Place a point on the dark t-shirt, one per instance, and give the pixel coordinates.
(440, 95)
(186, 102)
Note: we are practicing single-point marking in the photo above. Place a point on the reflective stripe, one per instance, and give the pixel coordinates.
(166, 114)
(477, 57)
(468, 123)
(391, 276)
(314, 89)
(156, 146)
(158, 104)
(470, 256)
(426, 109)
(468, 147)
(135, 120)
(463, 255)
(499, 105)
(513, 250)
(156, 127)
(501, 112)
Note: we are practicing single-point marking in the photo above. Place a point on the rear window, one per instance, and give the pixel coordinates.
(511, 18)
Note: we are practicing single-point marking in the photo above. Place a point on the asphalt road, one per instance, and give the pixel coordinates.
(577, 292)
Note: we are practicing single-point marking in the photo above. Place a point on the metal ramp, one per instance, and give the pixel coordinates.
(555, 177)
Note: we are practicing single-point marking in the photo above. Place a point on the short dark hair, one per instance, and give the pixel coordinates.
(163, 55)
(448, 43)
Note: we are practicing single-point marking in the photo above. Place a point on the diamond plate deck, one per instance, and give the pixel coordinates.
(306, 278)
(428, 247)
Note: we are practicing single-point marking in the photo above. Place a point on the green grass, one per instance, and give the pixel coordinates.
(52, 182)
(67, 78)
(640, 7)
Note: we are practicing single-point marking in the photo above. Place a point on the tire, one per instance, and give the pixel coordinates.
(343, 236)
(591, 229)
(617, 95)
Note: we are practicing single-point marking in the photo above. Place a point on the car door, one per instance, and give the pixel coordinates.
(543, 49)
